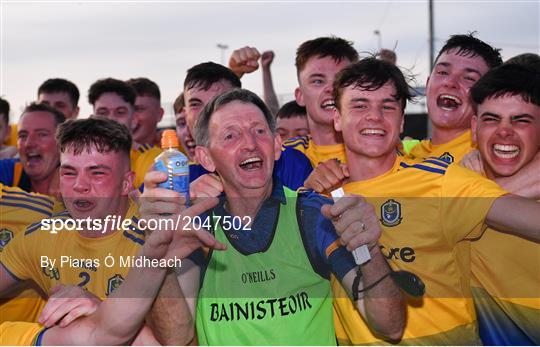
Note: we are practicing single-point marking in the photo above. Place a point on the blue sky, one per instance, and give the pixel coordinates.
(87, 40)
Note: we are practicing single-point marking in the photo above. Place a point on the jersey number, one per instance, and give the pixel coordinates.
(86, 278)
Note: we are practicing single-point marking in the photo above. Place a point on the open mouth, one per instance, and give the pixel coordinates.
(253, 163)
(373, 132)
(328, 105)
(505, 151)
(83, 205)
(191, 144)
(33, 159)
(448, 102)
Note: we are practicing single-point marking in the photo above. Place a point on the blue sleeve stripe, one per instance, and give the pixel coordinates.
(133, 238)
(424, 168)
(10, 273)
(438, 163)
(39, 337)
(31, 196)
(31, 201)
(32, 228)
(29, 207)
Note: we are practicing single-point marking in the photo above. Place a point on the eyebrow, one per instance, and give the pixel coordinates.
(367, 100)
(101, 166)
(316, 75)
(470, 69)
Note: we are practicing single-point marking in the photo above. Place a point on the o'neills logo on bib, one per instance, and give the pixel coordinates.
(259, 309)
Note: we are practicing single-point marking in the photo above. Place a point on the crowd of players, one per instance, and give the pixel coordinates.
(459, 211)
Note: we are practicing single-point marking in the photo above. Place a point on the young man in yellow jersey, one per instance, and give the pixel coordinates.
(426, 209)
(460, 63)
(95, 180)
(250, 293)
(19, 209)
(506, 268)
(115, 99)
(120, 316)
(317, 63)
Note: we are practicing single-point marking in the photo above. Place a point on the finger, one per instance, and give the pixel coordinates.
(202, 205)
(160, 207)
(153, 178)
(317, 186)
(209, 240)
(334, 166)
(61, 310)
(77, 312)
(366, 238)
(343, 204)
(345, 170)
(346, 219)
(326, 211)
(350, 232)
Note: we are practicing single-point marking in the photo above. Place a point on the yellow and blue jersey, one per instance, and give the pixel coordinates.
(18, 209)
(452, 151)
(22, 259)
(21, 334)
(425, 210)
(142, 159)
(13, 175)
(506, 288)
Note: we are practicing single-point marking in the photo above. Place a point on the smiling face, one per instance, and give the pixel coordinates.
(448, 87)
(36, 143)
(507, 130)
(370, 121)
(242, 149)
(92, 184)
(315, 90)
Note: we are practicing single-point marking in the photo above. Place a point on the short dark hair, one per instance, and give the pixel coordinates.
(60, 85)
(205, 74)
(145, 87)
(4, 110)
(111, 85)
(321, 47)
(470, 46)
(371, 74)
(507, 79)
(106, 135)
(202, 133)
(59, 117)
(291, 109)
(179, 103)
(531, 60)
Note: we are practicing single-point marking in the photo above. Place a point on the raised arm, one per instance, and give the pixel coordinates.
(269, 94)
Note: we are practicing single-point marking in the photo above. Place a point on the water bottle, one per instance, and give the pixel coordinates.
(174, 163)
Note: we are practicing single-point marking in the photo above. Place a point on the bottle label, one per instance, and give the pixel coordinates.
(177, 170)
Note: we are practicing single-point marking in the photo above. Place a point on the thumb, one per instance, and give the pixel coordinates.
(345, 170)
(326, 211)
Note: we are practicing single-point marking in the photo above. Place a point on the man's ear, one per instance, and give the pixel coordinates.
(299, 96)
(76, 112)
(161, 113)
(127, 184)
(402, 125)
(203, 157)
(474, 124)
(277, 146)
(337, 119)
